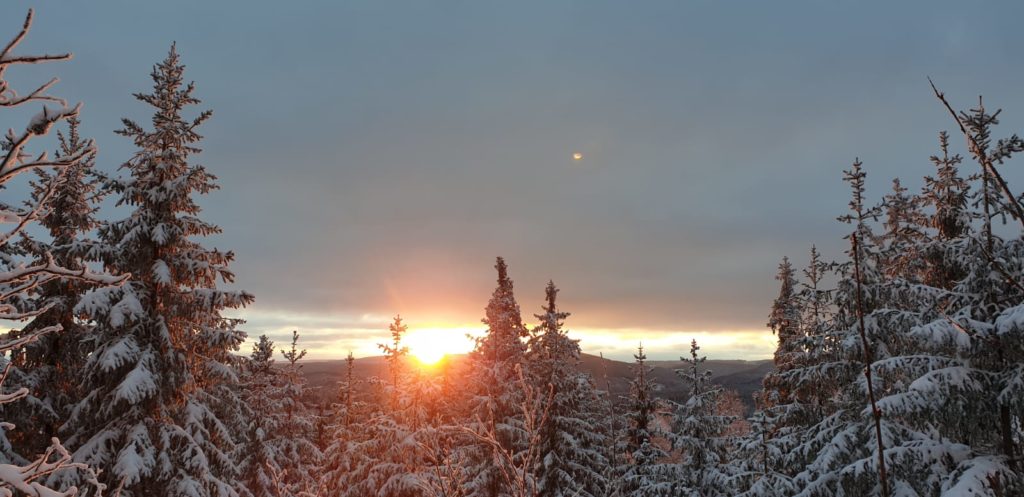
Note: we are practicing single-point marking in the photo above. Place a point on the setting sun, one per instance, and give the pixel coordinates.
(430, 345)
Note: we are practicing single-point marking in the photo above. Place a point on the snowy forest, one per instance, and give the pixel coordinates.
(899, 369)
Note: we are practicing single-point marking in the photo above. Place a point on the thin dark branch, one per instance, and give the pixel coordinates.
(986, 162)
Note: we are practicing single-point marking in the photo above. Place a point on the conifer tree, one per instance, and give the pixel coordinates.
(257, 457)
(396, 355)
(784, 321)
(852, 433)
(570, 457)
(279, 457)
(48, 366)
(645, 471)
(699, 433)
(351, 416)
(761, 469)
(494, 368)
(999, 347)
(971, 337)
(902, 258)
(293, 440)
(797, 394)
(384, 455)
(946, 196)
(21, 276)
(159, 381)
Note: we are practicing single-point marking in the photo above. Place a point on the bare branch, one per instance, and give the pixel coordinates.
(986, 162)
(7, 58)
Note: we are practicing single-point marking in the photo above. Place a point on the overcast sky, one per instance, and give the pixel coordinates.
(376, 156)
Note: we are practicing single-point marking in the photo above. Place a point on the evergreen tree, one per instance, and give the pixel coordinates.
(384, 456)
(397, 356)
(699, 433)
(494, 368)
(257, 456)
(351, 415)
(797, 392)
(969, 338)
(571, 462)
(279, 457)
(784, 321)
(20, 278)
(48, 366)
(301, 457)
(159, 381)
(847, 443)
(645, 471)
(946, 196)
(902, 259)
(763, 460)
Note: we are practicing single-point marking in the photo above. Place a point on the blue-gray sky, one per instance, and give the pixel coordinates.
(376, 156)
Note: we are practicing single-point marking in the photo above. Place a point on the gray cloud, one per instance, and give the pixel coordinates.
(375, 159)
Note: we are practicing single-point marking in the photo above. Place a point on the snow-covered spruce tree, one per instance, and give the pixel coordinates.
(571, 461)
(21, 276)
(996, 280)
(921, 450)
(346, 391)
(848, 443)
(611, 424)
(29, 477)
(256, 455)
(832, 415)
(966, 394)
(759, 471)
(159, 380)
(698, 432)
(397, 357)
(945, 196)
(301, 458)
(902, 257)
(784, 320)
(383, 455)
(800, 392)
(898, 405)
(493, 369)
(645, 471)
(351, 416)
(48, 366)
(278, 458)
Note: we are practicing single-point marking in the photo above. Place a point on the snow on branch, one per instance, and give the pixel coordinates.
(17, 278)
(26, 479)
(983, 158)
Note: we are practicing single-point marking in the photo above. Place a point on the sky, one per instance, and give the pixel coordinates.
(376, 156)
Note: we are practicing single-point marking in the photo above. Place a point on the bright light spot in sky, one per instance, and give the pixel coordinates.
(577, 156)
(430, 345)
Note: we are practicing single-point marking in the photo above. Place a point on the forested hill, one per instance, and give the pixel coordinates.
(742, 376)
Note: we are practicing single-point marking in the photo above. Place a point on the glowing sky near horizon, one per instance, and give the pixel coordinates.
(333, 337)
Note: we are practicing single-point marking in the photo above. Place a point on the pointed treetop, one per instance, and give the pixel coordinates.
(694, 348)
(293, 354)
(502, 313)
(550, 294)
(502, 272)
(783, 309)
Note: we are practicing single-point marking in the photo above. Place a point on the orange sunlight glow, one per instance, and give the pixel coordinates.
(430, 345)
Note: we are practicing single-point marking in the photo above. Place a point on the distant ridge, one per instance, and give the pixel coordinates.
(742, 376)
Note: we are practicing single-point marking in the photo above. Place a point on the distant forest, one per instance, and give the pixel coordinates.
(899, 369)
